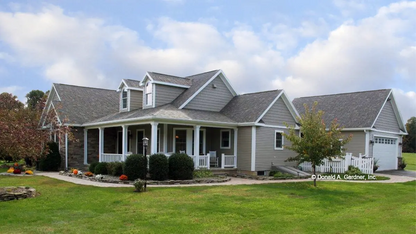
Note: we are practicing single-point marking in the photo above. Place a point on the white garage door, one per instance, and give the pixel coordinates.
(385, 150)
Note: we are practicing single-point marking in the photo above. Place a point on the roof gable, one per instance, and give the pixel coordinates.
(250, 107)
(130, 84)
(164, 79)
(199, 82)
(352, 110)
(279, 112)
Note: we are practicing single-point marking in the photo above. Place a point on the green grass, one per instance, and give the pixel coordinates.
(410, 159)
(332, 207)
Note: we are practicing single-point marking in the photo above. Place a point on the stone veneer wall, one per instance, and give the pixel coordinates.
(76, 147)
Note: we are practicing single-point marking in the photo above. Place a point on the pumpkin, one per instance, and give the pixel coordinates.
(75, 171)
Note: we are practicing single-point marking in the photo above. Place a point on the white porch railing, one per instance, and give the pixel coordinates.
(200, 161)
(228, 161)
(113, 157)
(341, 165)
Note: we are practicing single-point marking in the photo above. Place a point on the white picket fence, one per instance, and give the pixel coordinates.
(339, 165)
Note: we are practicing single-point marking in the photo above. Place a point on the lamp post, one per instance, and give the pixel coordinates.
(145, 144)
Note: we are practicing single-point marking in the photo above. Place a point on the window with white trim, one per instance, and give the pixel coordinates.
(225, 139)
(148, 92)
(278, 140)
(124, 99)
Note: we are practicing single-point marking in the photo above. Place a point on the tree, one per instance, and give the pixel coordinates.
(409, 141)
(317, 141)
(34, 98)
(20, 136)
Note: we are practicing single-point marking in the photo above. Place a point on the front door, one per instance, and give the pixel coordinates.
(180, 140)
(120, 142)
(139, 145)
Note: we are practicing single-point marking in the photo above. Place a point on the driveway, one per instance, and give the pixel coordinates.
(399, 173)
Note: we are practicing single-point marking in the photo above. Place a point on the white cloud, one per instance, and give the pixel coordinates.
(377, 52)
(349, 7)
(406, 102)
(10, 89)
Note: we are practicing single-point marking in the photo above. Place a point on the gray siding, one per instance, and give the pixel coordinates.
(244, 149)
(387, 120)
(166, 94)
(357, 144)
(278, 114)
(211, 99)
(136, 99)
(265, 152)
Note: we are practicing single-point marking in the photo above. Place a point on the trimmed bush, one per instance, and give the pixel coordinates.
(158, 167)
(92, 166)
(181, 167)
(115, 168)
(353, 171)
(52, 161)
(101, 168)
(135, 167)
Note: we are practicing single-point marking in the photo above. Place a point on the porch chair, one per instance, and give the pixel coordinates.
(213, 160)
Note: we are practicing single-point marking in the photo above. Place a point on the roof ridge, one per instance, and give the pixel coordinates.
(266, 91)
(85, 87)
(202, 73)
(167, 75)
(339, 94)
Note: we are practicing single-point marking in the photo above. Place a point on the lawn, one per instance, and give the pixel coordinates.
(410, 160)
(332, 207)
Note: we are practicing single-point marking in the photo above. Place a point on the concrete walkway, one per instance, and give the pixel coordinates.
(233, 181)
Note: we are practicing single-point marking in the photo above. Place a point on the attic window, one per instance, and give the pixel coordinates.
(148, 92)
(124, 99)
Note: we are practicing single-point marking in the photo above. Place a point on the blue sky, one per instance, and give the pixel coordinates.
(304, 47)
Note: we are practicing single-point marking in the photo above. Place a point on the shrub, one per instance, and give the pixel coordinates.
(403, 164)
(92, 166)
(203, 173)
(115, 168)
(353, 171)
(181, 167)
(52, 161)
(281, 175)
(272, 173)
(139, 185)
(101, 168)
(135, 167)
(158, 167)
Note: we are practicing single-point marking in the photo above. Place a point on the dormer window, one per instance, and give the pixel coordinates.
(148, 92)
(124, 99)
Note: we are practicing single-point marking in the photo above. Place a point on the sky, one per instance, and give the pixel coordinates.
(304, 47)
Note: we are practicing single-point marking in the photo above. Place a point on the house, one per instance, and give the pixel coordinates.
(372, 117)
(200, 115)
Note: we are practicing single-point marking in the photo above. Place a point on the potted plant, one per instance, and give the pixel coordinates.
(375, 166)
(402, 164)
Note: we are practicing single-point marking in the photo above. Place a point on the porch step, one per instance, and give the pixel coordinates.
(291, 170)
(226, 171)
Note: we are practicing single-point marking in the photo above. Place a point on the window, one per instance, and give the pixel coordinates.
(148, 92)
(225, 136)
(278, 140)
(124, 99)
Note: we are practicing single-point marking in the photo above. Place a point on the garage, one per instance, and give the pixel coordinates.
(385, 150)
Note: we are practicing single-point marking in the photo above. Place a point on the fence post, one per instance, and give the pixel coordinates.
(347, 160)
(222, 161)
(360, 161)
(208, 161)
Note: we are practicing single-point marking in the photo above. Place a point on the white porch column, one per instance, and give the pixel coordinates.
(196, 145)
(154, 136)
(66, 151)
(100, 144)
(85, 146)
(165, 138)
(235, 146)
(253, 148)
(124, 141)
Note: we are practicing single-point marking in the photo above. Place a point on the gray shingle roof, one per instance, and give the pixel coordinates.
(133, 83)
(197, 81)
(83, 104)
(166, 112)
(170, 79)
(249, 107)
(352, 110)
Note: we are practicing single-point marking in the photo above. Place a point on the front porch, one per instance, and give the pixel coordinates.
(217, 145)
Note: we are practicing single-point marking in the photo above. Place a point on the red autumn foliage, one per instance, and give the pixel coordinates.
(123, 177)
